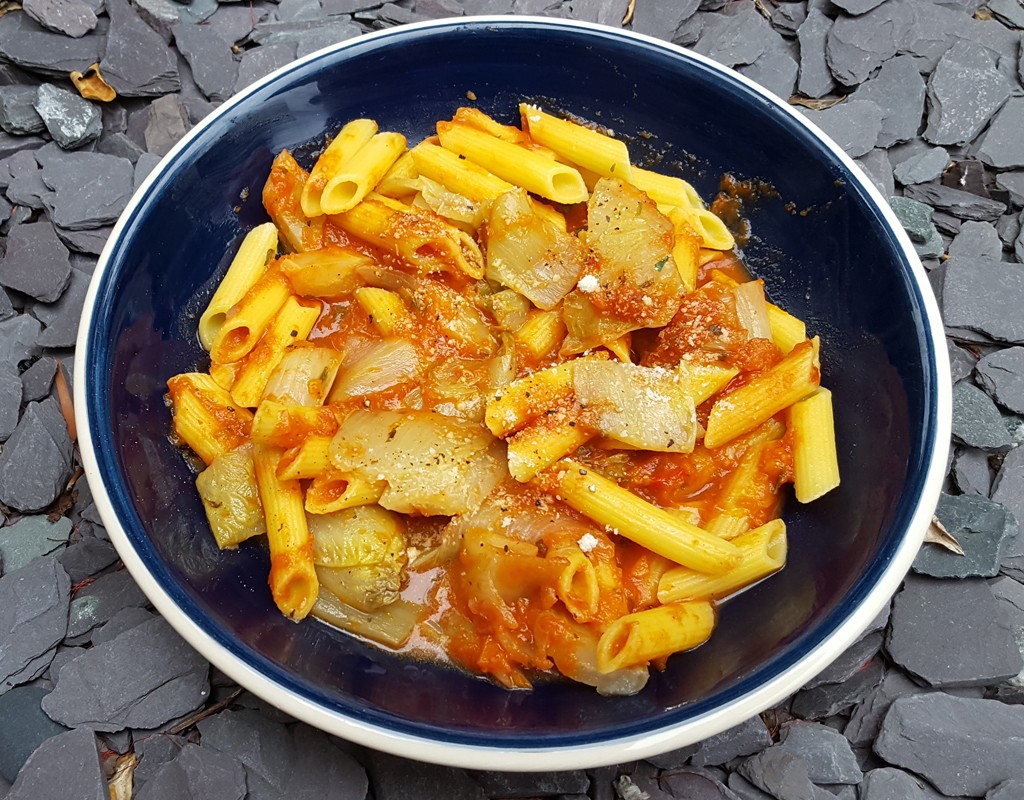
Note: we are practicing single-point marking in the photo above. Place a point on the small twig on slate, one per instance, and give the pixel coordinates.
(628, 18)
(188, 722)
(763, 9)
(814, 103)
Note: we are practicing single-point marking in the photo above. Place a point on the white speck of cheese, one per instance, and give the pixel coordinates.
(588, 283)
(587, 542)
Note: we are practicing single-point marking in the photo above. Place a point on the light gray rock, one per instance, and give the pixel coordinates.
(66, 763)
(33, 619)
(854, 125)
(964, 92)
(1002, 145)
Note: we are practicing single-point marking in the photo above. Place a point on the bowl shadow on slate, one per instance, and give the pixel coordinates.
(831, 266)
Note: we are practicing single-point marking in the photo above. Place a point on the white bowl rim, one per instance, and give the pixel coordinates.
(479, 757)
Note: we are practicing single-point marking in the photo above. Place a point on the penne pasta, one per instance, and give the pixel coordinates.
(359, 174)
(305, 460)
(541, 334)
(333, 491)
(458, 174)
(590, 149)
(386, 309)
(349, 141)
(666, 190)
(645, 636)
(205, 417)
(787, 330)
(815, 462)
(245, 323)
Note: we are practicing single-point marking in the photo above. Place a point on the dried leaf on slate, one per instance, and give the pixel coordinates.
(937, 534)
(122, 781)
(628, 17)
(91, 86)
(814, 103)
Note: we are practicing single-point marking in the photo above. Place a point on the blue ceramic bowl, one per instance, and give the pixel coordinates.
(825, 242)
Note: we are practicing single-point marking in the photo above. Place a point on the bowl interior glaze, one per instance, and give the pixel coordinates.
(820, 241)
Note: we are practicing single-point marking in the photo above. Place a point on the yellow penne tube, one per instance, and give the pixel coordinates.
(665, 190)
(540, 444)
(815, 463)
(457, 174)
(387, 310)
(293, 581)
(577, 144)
(712, 230)
(292, 324)
(728, 525)
(652, 527)
(399, 181)
(205, 417)
(475, 118)
(421, 239)
(361, 173)
(224, 374)
(326, 272)
(763, 552)
(248, 319)
(247, 267)
(777, 388)
(349, 141)
(515, 404)
(287, 425)
(542, 333)
(533, 171)
(306, 460)
(644, 636)
(332, 491)
(787, 330)
(703, 381)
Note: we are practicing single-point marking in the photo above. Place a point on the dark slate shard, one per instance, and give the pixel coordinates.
(866, 718)
(922, 167)
(695, 784)
(18, 113)
(775, 69)
(744, 789)
(322, 769)
(961, 204)
(209, 56)
(120, 145)
(915, 216)
(889, 783)
(1018, 246)
(90, 241)
(92, 190)
(1008, 227)
(659, 19)
(899, 90)
(876, 164)
(31, 537)
(1001, 374)
(163, 15)
(62, 763)
(1002, 145)
(1007, 790)
(23, 727)
(826, 752)
(144, 677)
(154, 751)
(1009, 596)
(33, 617)
(61, 318)
(1009, 11)
(101, 600)
(850, 661)
(194, 101)
(394, 778)
(854, 125)
(987, 738)
(36, 462)
(949, 633)
(18, 339)
(986, 297)
(233, 23)
(856, 7)
(289, 10)
(781, 774)
(526, 784)
(26, 43)
(197, 773)
(745, 739)
(933, 248)
(1010, 182)
(976, 420)
(26, 188)
(137, 62)
(734, 37)
(70, 120)
(36, 262)
(964, 91)
(11, 391)
(673, 759)
(857, 46)
(327, 34)
(827, 699)
(6, 308)
(977, 240)
(86, 557)
(71, 17)
(1008, 491)
(9, 145)
(972, 472)
(123, 620)
(146, 164)
(168, 122)
(261, 61)
(689, 32)
(815, 79)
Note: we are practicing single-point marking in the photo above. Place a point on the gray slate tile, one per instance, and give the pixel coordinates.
(36, 263)
(986, 297)
(889, 783)
(137, 62)
(656, 19)
(781, 774)
(69, 119)
(144, 677)
(11, 390)
(261, 61)
(33, 618)
(67, 761)
(976, 420)
(744, 789)
(92, 189)
(195, 774)
(853, 124)
(209, 56)
(232, 24)
(827, 699)
(1001, 374)
(36, 462)
(394, 778)
(876, 164)
(775, 69)
(18, 339)
(101, 600)
(32, 537)
(87, 557)
(826, 752)
(988, 738)
(899, 90)
(26, 43)
(527, 784)
(745, 739)
(981, 526)
(695, 784)
(1007, 790)
(23, 727)
(964, 91)
(857, 46)
(61, 318)
(71, 17)
(923, 167)
(850, 661)
(977, 240)
(18, 113)
(949, 633)
(915, 216)
(961, 204)
(1002, 145)
(972, 472)
(123, 620)
(168, 122)
(734, 37)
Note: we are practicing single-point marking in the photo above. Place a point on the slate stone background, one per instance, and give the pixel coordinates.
(95, 688)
